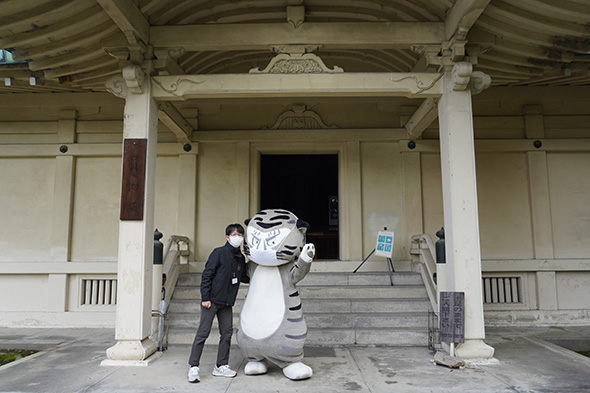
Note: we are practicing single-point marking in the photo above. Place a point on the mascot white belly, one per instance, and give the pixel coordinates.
(264, 307)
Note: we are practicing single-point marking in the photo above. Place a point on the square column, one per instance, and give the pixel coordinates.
(136, 225)
(459, 185)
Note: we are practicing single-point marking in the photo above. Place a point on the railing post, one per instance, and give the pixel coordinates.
(441, 262)
(157, 272)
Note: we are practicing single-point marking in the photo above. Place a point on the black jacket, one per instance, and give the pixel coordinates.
(223, 265)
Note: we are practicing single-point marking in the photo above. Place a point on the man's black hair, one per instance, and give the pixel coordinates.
(234, 227)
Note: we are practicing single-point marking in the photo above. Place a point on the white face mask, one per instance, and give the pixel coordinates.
(236, 241)
(264, 257)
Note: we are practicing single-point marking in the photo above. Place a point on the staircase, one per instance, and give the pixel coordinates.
(339, 308)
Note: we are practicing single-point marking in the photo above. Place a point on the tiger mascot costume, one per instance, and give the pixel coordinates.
(271, 326)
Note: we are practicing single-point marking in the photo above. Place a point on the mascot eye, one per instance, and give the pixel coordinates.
(272, 240)
(255, 241)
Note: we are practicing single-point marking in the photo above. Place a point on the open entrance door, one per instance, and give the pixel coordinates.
(307, 185)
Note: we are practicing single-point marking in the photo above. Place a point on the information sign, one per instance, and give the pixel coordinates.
(452, 317)
(384, 246)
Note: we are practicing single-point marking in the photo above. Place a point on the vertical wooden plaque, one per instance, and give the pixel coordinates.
(133, 179)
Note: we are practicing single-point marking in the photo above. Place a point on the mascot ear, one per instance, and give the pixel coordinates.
(303, 226)
(247, 221)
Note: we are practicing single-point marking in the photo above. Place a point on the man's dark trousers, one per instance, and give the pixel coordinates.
(225, 321)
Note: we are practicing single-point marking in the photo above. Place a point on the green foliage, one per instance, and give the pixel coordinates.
(9, 355)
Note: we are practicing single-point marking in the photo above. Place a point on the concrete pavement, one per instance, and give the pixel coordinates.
(526, 360)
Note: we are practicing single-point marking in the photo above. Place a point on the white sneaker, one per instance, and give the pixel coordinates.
(223, 371)
(193, 375)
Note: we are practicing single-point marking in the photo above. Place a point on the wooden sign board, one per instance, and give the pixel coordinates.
(133, 179)
(452, 317)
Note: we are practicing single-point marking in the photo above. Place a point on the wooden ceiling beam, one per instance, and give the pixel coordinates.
(20, 16)
(72, 70)
(260, 36)
(64, 28)
(92, 52)
(21, 71)
(422, 118)
(535, 21)
(526, 34)
(97, 74)
(127, 15)
(37, 86)
(571, 11)
(462, 16)
(341, 84)
(175, 121)
(101, 32)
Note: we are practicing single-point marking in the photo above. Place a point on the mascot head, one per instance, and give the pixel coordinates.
(274, 237)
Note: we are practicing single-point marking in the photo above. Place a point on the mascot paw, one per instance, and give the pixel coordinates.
(297, 371)
(308, 252)
(255, 368)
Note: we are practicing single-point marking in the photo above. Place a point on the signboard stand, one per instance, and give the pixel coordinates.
(384, 248)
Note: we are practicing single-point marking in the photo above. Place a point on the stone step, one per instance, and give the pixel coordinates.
(328, 292)
(329, 279)
(193, 306)
(327, 320)
(340, 308)
(399, 337)
(372, 265)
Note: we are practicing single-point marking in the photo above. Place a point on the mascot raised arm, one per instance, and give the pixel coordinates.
(271, 325)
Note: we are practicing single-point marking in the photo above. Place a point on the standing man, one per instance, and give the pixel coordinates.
(225, 269)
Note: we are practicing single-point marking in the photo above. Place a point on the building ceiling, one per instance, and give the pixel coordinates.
(76, 45)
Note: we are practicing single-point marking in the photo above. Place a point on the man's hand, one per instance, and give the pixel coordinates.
(206, 304)
(308, 252)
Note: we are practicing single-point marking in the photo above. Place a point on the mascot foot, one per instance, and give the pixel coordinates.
(255, 368)
(297, 371)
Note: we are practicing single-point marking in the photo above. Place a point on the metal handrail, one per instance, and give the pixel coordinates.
(423, 246)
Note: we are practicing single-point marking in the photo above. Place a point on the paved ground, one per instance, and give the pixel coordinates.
(527, 360)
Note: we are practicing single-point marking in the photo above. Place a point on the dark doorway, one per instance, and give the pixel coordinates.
(307, 185)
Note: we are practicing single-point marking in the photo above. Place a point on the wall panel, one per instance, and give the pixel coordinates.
(34, 298)
(569, 189)
(167, 191)
(382, 196)
(217, 195)
(26, 197)
(432, 195)
(573, 290)
(504, 212)
(97, 197)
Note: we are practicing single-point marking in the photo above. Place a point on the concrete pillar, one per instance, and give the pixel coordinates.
(460, 206)
(135, 256)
